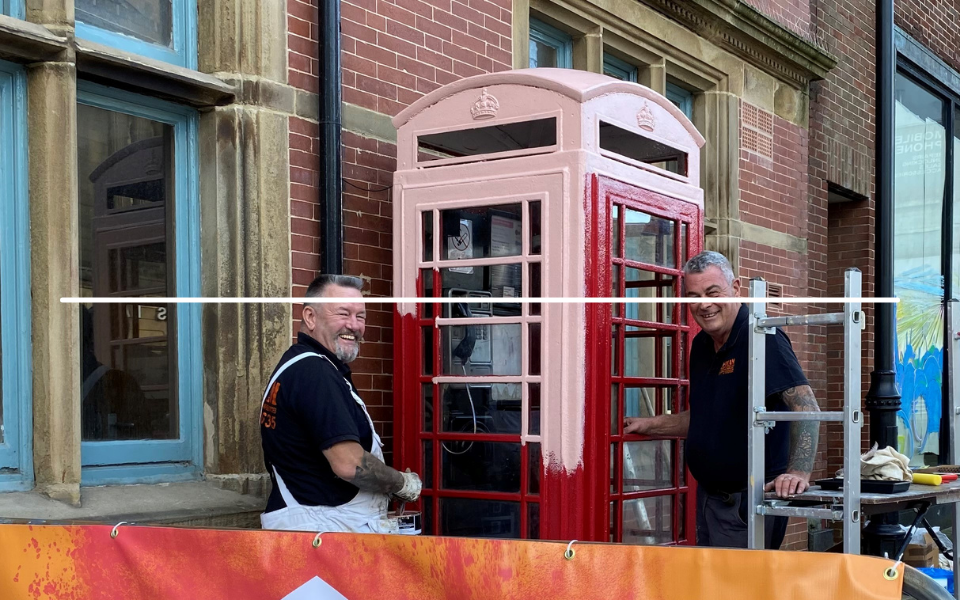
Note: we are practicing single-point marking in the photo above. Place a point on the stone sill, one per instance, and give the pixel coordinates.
(137, 73)
(197, 503)
(27, 42)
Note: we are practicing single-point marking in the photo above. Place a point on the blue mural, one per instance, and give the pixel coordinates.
(919, 352)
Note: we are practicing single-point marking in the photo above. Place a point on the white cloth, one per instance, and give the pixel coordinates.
(884, 465)
(366, 513)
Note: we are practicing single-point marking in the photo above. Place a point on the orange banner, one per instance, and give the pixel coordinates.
(80, 562)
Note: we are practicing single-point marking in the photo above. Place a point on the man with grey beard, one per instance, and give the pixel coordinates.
(319, 443)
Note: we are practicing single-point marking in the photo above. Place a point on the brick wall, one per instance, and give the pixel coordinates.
(773, 185)
(396, 51)
(791, 14)
(393, 52)
(842, 119)
(934, 24)
(842, 111)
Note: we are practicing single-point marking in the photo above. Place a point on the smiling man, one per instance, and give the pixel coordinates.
(716, 423)
(319, 444)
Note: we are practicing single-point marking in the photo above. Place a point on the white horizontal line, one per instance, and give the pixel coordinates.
(150, 300)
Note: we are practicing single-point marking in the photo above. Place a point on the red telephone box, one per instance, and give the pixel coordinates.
(544, 183)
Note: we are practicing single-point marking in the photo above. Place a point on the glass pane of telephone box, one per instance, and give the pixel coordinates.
(477, 350)
(648, 521)
(534, 468)
(647, 284)
(426, 283)
(647, 401)
(477, 285)
(647, 465)
(469, 517)
(533, 401)
(647, 353)
(481, 232)
(427, 221)
(480, 466)
(649, 239)
(480, 408)
(533, 521)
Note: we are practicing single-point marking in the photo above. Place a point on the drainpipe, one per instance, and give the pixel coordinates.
(883, 399)
(331, 182)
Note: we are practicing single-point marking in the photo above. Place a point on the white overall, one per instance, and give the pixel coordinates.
(366, 513)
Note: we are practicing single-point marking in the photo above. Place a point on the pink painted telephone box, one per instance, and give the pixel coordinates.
(544, 183)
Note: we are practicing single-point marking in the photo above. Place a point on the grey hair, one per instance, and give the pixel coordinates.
(322, 282)
(708, 258)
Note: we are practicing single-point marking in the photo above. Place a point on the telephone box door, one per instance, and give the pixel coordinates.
(649, 236)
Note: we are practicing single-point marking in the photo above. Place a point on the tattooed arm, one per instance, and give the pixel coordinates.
(352, 463)
(803, 444)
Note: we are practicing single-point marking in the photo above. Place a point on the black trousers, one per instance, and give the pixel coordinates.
(722, 521)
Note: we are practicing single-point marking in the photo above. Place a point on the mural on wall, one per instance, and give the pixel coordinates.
(919, 355)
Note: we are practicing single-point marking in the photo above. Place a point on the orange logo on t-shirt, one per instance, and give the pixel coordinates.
(727, 367)
(268, 416)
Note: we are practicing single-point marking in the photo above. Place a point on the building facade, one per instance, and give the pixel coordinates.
(172, 147)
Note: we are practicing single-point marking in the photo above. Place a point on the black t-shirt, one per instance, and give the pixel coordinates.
(716, 446)
(309, 409)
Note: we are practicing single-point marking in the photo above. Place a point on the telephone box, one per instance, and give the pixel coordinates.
(544, 183)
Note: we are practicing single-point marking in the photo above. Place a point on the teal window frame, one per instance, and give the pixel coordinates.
(13, 8)
(16, 450)
(153, 461)
(549, 35)
(619, 68)
(682, 98)
(184, 37)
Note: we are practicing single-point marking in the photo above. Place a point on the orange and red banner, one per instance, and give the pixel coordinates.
(80, 562)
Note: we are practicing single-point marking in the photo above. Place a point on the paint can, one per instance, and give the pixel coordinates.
(408, 522)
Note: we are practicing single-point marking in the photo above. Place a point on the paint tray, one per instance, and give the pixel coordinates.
(867, 486)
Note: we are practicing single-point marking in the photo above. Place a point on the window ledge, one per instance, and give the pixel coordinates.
(194, 503)
(139, 74)
(28, 42)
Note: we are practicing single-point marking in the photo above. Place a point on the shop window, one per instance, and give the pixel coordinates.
(16, 465)
(161, 29)
(549, 47)
(138, 223)
(921, 183)
(682, 98)
(620, 69)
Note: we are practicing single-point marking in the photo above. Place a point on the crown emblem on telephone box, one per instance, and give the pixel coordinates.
(645, 118)
(485, 107)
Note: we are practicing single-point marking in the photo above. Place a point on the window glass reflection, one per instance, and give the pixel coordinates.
(147, 20)
(128, 351)
(919, 183)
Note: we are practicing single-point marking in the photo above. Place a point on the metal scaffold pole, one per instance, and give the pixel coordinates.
(761, 420)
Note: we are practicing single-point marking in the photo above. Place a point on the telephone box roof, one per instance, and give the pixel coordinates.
(581, 86)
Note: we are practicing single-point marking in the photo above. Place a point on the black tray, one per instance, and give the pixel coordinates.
(867, 486)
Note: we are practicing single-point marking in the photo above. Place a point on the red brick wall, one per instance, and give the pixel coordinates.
(791, 14)
(842, 110)
(934, 24)
(773, 195)
(395, 51)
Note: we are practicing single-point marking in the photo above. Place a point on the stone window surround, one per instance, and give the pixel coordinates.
(245, 103)
(718, 79)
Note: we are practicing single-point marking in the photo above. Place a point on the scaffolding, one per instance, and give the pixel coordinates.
(761, 420)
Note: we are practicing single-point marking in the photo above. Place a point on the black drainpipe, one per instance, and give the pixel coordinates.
(331, 182)
(883, 399)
